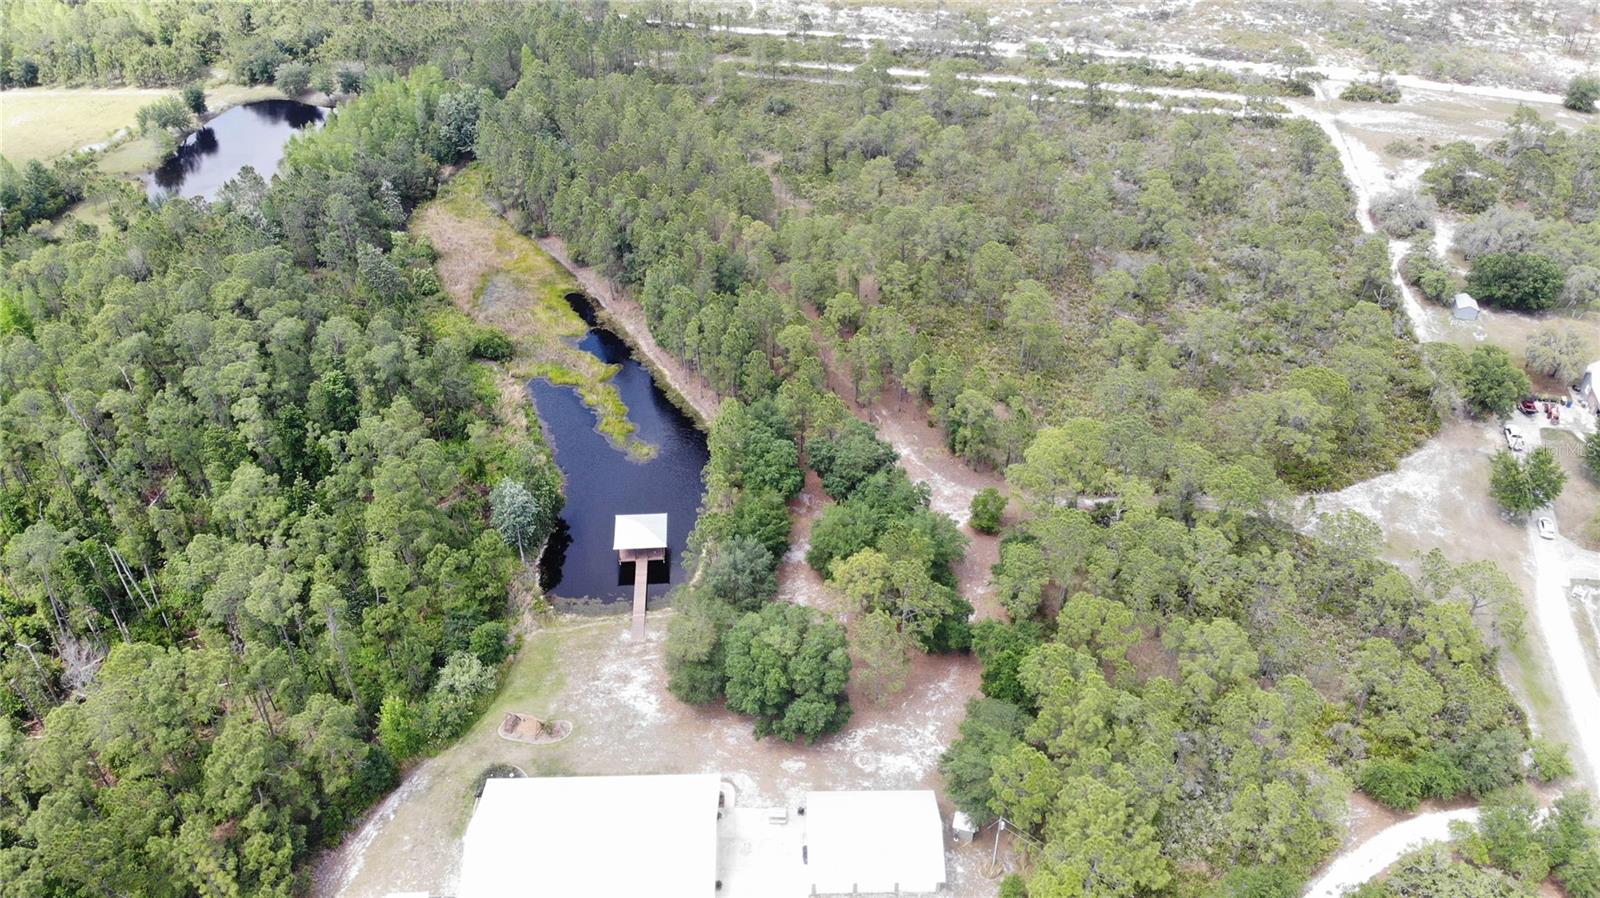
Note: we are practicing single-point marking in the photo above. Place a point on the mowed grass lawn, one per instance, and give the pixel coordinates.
(45, 122)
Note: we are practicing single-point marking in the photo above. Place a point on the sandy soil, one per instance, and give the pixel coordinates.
(1579, 501)
(1376, 853)
(787, 198)
(798, 582)
(1438, 497)
(903, 422)
(1556, 564)
(612, 688)
(1237, 36)
(625, 722)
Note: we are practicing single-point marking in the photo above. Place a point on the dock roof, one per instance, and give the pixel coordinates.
(640, 531)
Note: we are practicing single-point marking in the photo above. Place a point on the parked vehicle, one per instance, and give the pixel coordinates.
(1529, 406)
(1547, 528)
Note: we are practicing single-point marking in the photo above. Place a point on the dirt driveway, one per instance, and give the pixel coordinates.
(613, 690)
(1439, 497)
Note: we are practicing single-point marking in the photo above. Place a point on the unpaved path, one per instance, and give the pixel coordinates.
(1188, 93)
(951, 482)
(903, 423)
(1368, 859)
(787, 198)
(1168, 56)
(612, 688)
(1555, 564)
(1438, 497)
(1367, 177)
(1438, 110)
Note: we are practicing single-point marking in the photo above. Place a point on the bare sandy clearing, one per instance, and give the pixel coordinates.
(1438, 497)
(612, 688)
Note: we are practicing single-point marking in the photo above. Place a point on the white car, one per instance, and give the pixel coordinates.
(1547, 528)
(1514, 440)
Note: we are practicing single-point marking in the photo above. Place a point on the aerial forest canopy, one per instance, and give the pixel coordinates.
(261, 517)
(1194, 286)
(245, 531)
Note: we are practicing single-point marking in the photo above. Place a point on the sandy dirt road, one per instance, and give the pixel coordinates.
(1371, 857)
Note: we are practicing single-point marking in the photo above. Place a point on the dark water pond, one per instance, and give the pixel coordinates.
(254, 134)
(603, 482)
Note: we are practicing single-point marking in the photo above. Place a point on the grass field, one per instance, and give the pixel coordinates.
(42, 123)
(45, 122)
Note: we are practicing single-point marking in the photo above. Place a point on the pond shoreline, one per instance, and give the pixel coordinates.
(254, 135)
(580, 568)
(623, 316)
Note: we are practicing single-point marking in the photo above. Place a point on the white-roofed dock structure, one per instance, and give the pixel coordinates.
(640, 539)
(640, 533)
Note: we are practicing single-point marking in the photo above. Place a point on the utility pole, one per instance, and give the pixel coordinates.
(994, 856)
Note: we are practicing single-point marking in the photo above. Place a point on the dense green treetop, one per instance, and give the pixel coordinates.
(244, 519)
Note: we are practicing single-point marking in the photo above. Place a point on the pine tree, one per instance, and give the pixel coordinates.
(515, 513)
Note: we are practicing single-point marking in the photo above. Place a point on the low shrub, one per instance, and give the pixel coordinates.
(1429, 274)
(1382, 91)
(1392, 782)
(1402, 213)
(1583, 92)
(988, 506)
(488, 343)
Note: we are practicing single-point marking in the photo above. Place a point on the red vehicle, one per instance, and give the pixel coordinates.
(1528, 406)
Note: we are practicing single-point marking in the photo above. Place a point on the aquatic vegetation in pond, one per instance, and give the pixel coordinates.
(603, 481)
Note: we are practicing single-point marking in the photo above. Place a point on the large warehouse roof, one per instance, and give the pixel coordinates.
(598, 836)
(873, 842)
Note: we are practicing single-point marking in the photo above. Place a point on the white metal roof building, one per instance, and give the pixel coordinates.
(873, 842)
(669, 837)
(1465, 308)
(639, 531)
(596, 836)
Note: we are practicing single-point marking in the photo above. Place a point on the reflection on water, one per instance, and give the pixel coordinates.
(254, 134)
(602, 482)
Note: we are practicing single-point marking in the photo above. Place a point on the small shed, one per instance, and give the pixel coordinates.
(1464, 308)
(1589, 388)
(873, 842)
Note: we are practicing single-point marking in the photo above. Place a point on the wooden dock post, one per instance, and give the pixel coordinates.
(641, 559)
(641, 539)
(641, 576)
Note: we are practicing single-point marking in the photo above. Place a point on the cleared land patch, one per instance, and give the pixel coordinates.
(43, 123)
(1575, 507)
(501, 279)
(613, 689)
